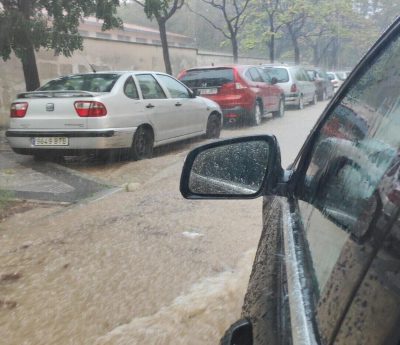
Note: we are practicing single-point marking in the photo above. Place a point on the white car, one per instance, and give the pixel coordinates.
(97, 112)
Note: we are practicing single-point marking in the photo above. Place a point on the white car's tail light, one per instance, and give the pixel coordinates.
(90, 109)
(18, 109)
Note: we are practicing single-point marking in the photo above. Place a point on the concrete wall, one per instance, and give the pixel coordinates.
(105, 55)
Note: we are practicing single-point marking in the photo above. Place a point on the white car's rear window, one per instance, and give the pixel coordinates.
(97, 82)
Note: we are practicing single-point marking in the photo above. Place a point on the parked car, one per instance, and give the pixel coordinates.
(131, 111)
(322, 83)
(327, 266)
(294, 80)
(335, 80)
(243, 92)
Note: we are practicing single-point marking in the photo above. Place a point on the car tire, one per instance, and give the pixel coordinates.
(256, 114)
(281, 109)
(213, 130)
(300, 103)
(142, 144)
(314, 99)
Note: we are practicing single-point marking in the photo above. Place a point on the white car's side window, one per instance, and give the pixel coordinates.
(150, 87)
(130, 89)
(176, 89)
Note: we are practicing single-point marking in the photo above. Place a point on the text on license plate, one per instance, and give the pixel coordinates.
(50, 141)
(208, 91)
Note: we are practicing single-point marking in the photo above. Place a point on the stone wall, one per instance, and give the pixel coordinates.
(105, 55)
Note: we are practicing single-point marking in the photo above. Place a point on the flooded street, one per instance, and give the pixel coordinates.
(139, 265)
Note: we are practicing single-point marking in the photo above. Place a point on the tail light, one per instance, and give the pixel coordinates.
(90, 109)
(18, 109)
(293, 88)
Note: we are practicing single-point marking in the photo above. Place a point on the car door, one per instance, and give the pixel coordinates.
(327, 266)
(159, 110)
(256, 80)
(191, 111)
(345, 223)
(273, 91)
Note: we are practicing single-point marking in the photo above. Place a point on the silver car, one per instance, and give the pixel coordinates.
(129, 111)
(294, 80)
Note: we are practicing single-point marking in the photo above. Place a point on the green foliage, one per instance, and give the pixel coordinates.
(49, 24)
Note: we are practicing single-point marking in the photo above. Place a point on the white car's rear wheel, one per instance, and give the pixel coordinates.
(213, 127)
(142, 145)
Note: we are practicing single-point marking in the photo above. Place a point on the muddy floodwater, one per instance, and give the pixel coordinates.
(138, 266)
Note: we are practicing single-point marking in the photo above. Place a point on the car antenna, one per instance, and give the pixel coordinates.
(92, 67)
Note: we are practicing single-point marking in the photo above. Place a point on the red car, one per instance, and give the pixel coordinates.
(244, 93)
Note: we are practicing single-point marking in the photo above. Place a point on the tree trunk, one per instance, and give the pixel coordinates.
(272, 49)
(235, 49)
(30, 69)
(28, 58)
(164, 44)
(295, 43)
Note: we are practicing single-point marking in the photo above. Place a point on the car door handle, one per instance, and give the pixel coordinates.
(178, 104)
(149, 105)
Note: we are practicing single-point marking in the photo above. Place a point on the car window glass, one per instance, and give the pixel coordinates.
(176, 89)
(210, 77)
(150, 87)
(96, 82)
(357, 144)
(248, 76)
(255, 76)
(265, 75)
(130, 89)
(281, 74)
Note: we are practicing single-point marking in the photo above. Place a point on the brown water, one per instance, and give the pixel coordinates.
(141, 267)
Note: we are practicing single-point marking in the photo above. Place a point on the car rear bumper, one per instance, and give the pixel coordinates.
(291, 99)
(233, 114)
(111, 138)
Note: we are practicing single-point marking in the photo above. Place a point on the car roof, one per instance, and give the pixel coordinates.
(238, 66)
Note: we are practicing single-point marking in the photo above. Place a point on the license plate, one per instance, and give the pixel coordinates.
(208, 91)
(50, 141)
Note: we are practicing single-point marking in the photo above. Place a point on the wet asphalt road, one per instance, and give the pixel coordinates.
(144, 266)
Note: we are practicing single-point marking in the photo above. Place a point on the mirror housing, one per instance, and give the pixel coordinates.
(240, 333)
(274, 80)
(238, 168)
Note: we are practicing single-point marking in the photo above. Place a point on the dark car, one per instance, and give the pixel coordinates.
(327, 268)
(322, 82)
(244, 93)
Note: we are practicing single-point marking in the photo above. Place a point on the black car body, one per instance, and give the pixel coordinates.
(327, 268)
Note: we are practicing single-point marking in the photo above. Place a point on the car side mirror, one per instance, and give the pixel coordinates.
(239, 168)
(274, 80)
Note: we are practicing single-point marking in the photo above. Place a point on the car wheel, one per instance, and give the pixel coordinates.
(213, 127)
(300, 104)
(281, 110)
(314, 99)
(142, 145)
(256, 115)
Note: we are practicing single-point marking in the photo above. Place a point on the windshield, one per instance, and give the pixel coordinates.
(84, 82)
